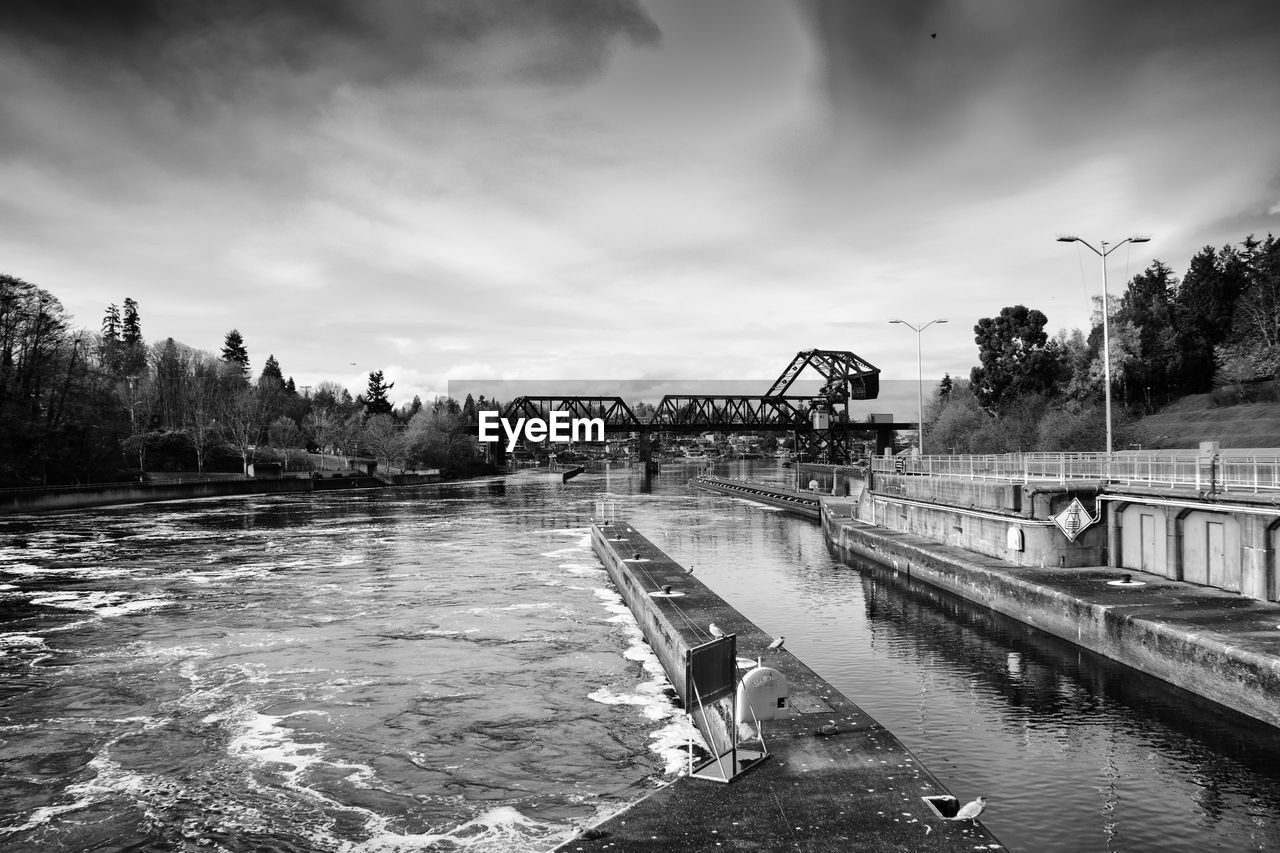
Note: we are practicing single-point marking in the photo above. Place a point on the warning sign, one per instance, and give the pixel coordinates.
(1074, 519)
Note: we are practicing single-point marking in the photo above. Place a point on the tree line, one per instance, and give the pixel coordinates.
(1216, 330)
(80, 406)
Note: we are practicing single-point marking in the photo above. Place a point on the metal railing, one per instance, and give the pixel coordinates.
(1213, 472)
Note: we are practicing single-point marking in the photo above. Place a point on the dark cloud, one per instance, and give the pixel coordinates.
(355, 41)
(1054, 61)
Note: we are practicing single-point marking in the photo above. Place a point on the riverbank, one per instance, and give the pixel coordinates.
(852, 787)
(52, 499)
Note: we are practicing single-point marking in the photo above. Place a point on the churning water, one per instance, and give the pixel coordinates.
(449, 668)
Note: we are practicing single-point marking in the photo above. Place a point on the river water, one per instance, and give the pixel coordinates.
(448, 668)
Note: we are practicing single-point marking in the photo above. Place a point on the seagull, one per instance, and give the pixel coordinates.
(777, 644)
(715, 630)
(689, 570)
(970, 811)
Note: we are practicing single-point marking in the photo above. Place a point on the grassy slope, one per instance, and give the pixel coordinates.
(1191, 420)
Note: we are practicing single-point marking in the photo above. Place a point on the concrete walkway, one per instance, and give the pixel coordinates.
(857, 789)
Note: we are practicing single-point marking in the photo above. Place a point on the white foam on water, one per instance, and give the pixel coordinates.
(349, 559)
(562, 552)
(5, 587)
(498, 829)
(260, 739)
(99, 603)
(23, 643)
(528, 605)
(581, 569)
(671, 741)
(78, 572)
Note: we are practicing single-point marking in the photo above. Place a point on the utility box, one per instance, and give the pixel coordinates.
(763, 695)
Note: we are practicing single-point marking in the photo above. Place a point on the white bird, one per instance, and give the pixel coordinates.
(970, 811)
(777, 644)
(689, 570)
(715, 630)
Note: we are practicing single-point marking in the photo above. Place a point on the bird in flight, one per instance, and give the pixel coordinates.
(715, 630)
(777, 644)
(933, 35)
(970, 811)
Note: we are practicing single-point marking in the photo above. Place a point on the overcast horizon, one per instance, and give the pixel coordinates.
(544, 189)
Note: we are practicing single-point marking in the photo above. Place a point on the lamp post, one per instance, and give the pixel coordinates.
(1106, 310)
(919, 370)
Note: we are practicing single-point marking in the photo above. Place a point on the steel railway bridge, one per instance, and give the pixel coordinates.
(819, 423)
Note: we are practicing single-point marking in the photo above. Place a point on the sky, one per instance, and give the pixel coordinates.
(620, 189)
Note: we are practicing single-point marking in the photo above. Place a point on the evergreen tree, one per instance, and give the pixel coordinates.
(290, 388)
(131, 326)
(375, 398)
(234, 354)
(945, 388)
(271, 370)
(111, 324)
(1018, 359)
(109, 349)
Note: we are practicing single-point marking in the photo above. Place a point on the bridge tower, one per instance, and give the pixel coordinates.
(825, 435)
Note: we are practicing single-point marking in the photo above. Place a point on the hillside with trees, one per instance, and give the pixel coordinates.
(1183, 353)
(80, 406)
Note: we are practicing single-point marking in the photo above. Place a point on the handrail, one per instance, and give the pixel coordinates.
(1246, 471)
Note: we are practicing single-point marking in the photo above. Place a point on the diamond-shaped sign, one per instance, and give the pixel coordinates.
(1074, 519)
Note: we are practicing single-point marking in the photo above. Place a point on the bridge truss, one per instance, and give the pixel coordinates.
(820, 423)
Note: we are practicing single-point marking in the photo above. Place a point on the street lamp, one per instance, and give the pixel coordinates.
(1106, 309)
(919, 370)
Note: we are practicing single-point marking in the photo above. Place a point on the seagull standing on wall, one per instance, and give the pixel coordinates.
(777, 644)
(715, 630)
(970, 811)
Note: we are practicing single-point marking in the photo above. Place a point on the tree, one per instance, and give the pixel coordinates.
(284, 435)
(1017, 358)
(383, 438)
(271, 370)
(131, 326)
(244, 417)
(109, 344)
(234, 355)
(375, 398)
(171, 366)
(203, 398)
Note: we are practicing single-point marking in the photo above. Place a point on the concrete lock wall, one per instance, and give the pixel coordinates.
(1227, 550)
(975, 494)
(1009, 521)
(1024, 542)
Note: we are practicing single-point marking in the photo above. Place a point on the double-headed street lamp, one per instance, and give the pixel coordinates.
(1106, 309)
(919, 370)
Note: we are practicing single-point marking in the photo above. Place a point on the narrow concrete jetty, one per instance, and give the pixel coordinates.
(835, 779)
(806, 504)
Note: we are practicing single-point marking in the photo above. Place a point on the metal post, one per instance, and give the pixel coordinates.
(920, 387)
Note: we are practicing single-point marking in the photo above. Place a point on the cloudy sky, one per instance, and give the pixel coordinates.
(538, 189)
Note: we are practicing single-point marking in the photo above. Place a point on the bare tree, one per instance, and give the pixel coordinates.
(202, 400)
(244, 418)
(384, 438)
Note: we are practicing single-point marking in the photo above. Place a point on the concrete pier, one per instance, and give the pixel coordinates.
(835, 779)
(806, 504)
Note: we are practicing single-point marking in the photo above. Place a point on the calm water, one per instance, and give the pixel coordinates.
(447, 668)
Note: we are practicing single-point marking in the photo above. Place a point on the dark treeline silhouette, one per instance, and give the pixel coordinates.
(1217, 331)
(78, 406)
